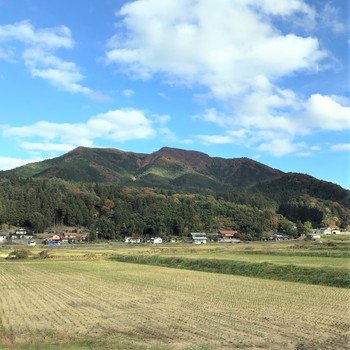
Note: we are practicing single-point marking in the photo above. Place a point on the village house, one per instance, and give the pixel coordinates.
(157, 240)
(134, 239)
(334, 230)
(21, 234)
(198, 237)
(71, 237)
(227, 236)
(53, 239)
(66, 237)
(3, 237)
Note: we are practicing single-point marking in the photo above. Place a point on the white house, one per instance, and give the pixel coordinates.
(198, 238)
(157, 240)
(135, 239)
(20, 234)
(329, 231)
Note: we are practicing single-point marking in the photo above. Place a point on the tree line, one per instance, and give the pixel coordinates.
(111, 211)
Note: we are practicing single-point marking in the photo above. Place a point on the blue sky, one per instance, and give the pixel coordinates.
(263, 79)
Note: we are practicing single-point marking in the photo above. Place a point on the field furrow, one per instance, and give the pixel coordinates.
(65, 300)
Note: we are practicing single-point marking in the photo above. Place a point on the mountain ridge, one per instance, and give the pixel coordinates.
(113, 165)
(171, 170)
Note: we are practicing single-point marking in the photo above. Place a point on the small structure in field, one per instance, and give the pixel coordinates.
(279, 237)
(53, 240)
(70, 237)
(21, 234)
(157, 240)
(330, 230)
(198, 237)
(134, 239)
(227, 236)
(3, 237)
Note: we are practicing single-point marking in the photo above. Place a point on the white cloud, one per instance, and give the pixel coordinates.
(214, 116)
(39, 45)
(330, 18)
(7, 163)
(62, 74)
(116, 125)
(48, 38)
(128, 92)
(341, 147)
(47, 147)
(324, 112)
(206, 44)
(284, 8)
(267, 107)
(304, 154)
(280, 147)
(216, 139)
(263, 117)
(8, 54)
(121, 125)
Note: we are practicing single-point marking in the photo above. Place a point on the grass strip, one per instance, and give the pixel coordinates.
(291, 273)
(321, 254)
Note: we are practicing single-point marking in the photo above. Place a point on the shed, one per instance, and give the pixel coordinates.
(198, 237)
(134, 239)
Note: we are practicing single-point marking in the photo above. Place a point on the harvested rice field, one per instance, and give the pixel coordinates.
(104, 304)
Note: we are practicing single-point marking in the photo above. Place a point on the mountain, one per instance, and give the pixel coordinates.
(178, 169)
(166, 167)
(245, 182)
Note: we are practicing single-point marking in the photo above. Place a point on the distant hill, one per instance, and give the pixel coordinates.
(245, 182)
(179, 169)
(166, 167)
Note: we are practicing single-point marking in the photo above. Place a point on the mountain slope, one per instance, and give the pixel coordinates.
(298, 197)
(167, 167)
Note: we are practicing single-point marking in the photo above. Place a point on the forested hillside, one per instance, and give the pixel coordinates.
(114, 211)
(168, 192)
(168, 167)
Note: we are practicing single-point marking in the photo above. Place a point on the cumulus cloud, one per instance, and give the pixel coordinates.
(206, 47)
(118, 126)
(206, 44)
(38, 53)
(121, 125)
(324, 112)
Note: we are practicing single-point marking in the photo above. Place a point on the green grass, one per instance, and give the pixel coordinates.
(260, 257)
(291, 273)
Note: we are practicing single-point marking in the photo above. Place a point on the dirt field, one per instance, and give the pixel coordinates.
(49, 304)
